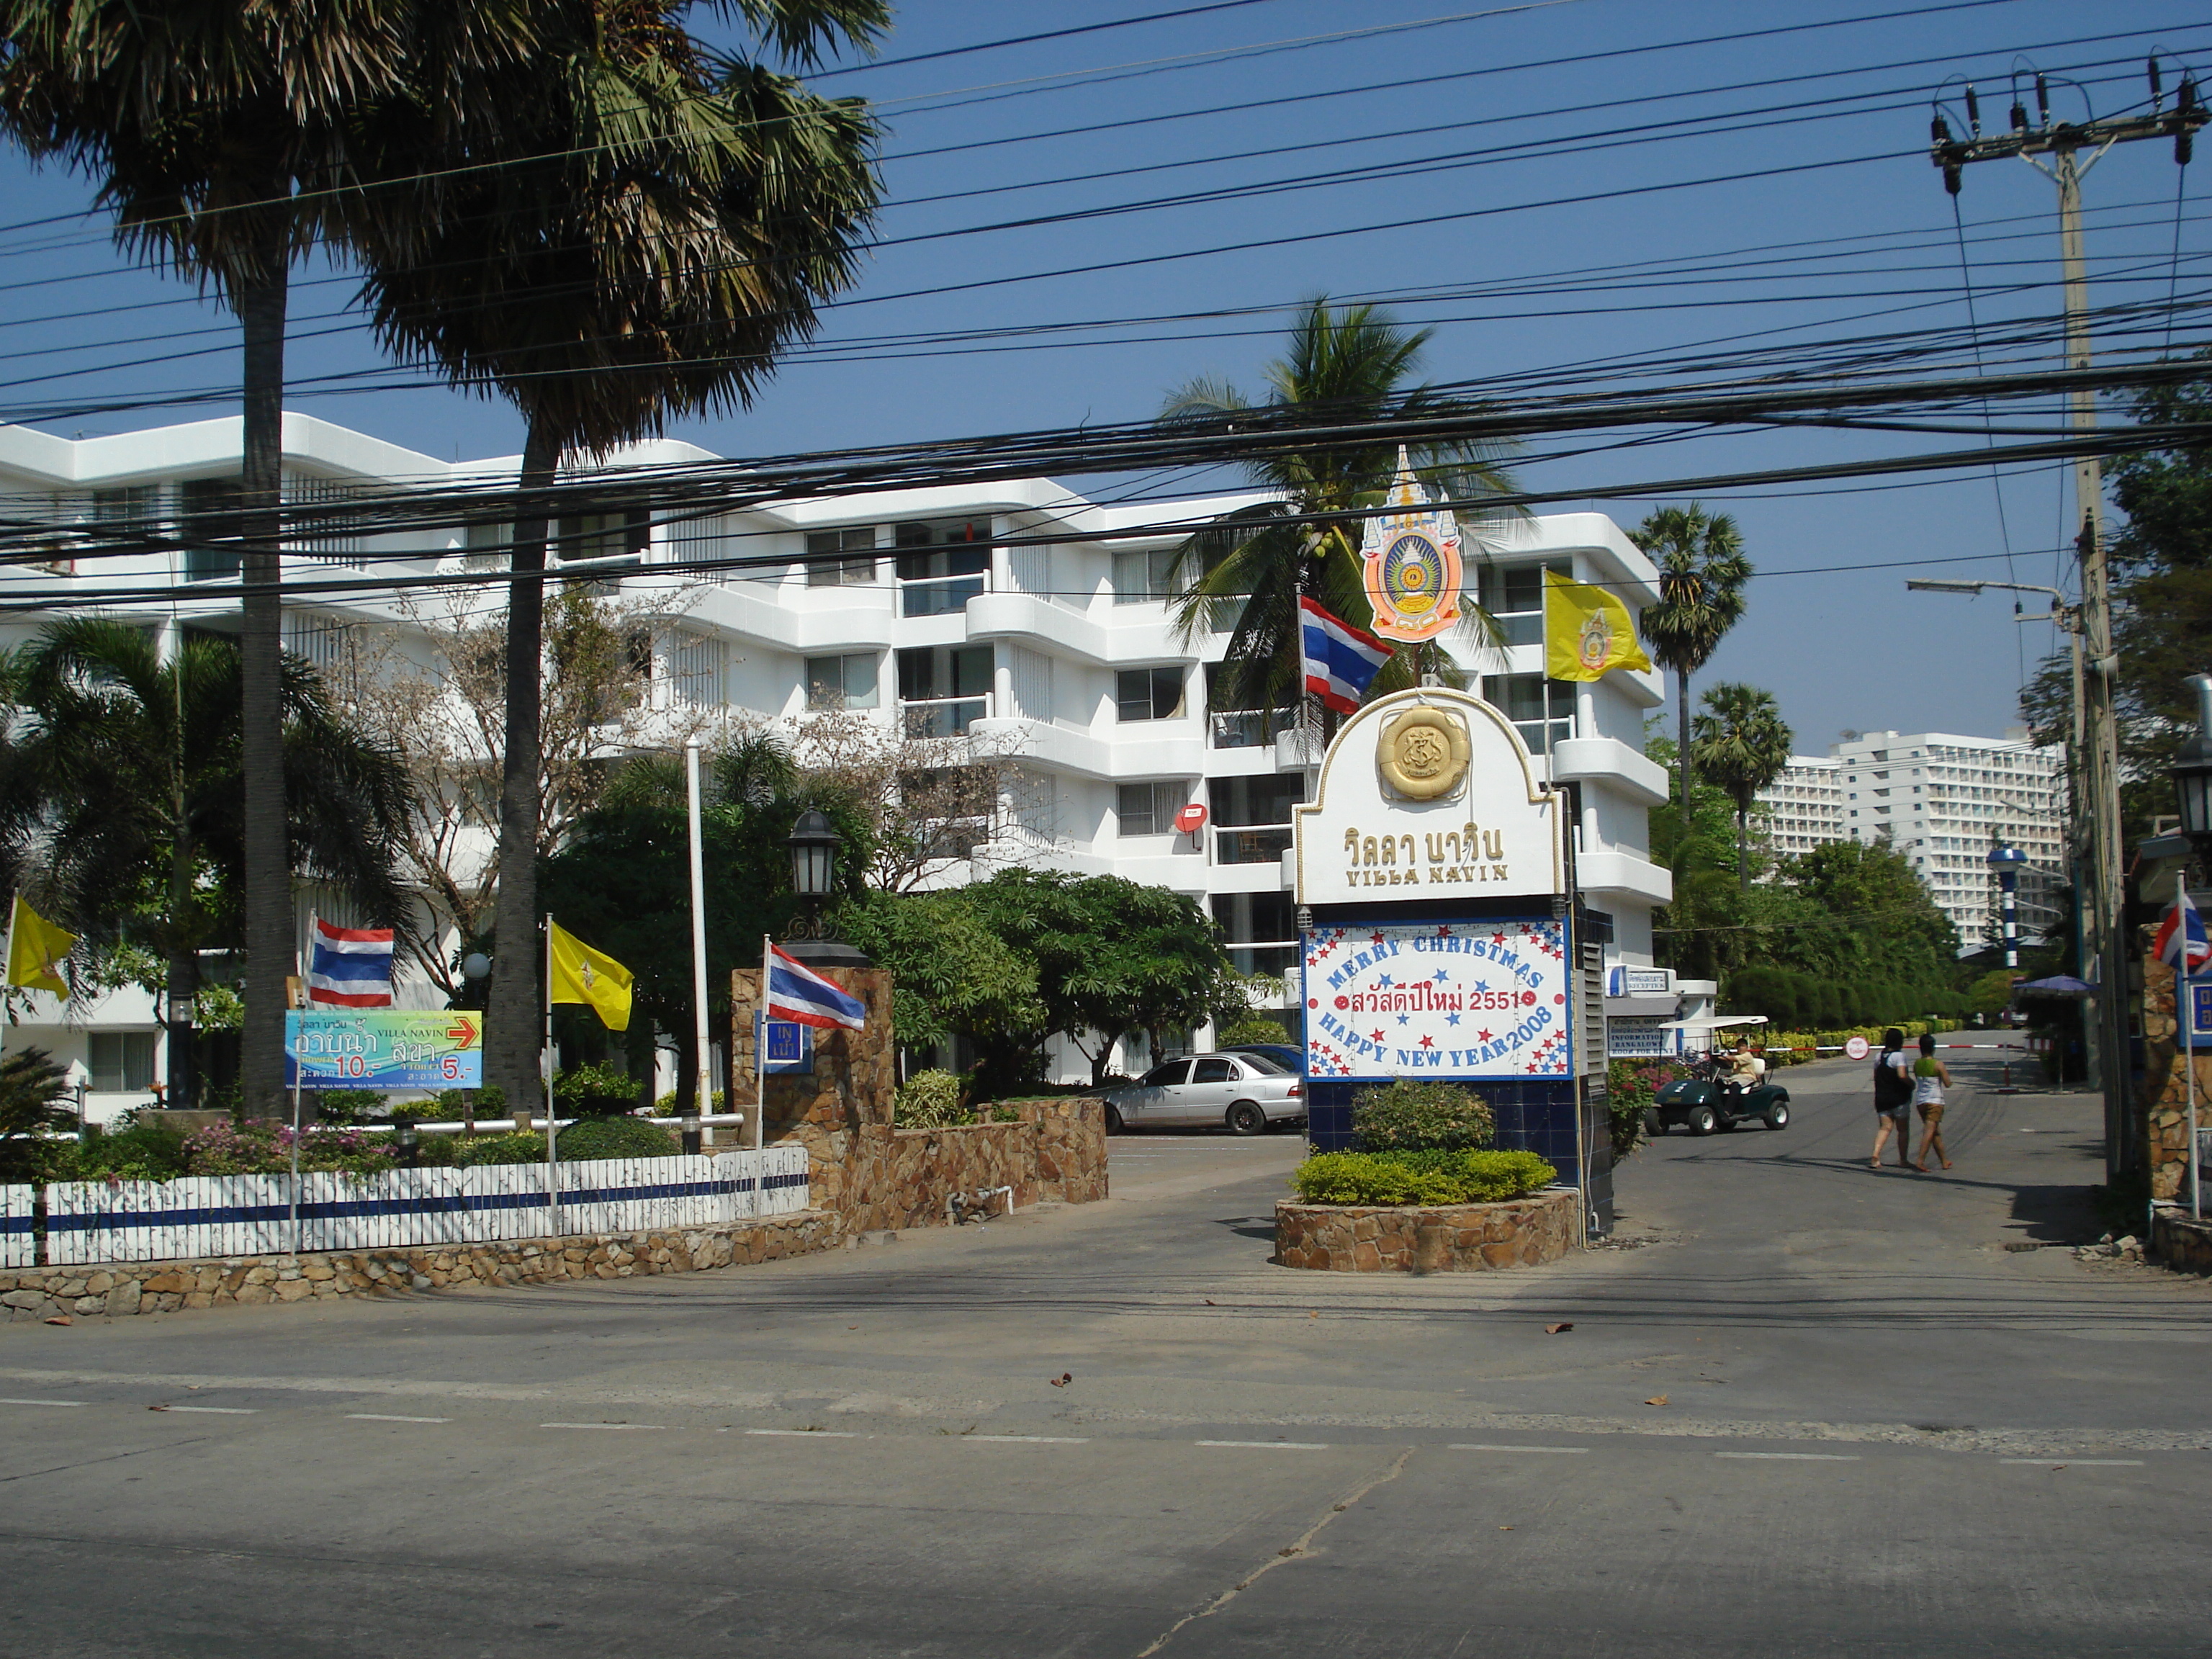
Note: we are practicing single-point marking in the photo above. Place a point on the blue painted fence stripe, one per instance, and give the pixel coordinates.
(14, 1223)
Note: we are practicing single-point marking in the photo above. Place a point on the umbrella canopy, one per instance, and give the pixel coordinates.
(2059, 985)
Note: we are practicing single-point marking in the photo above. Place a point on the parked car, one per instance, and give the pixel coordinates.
(1245, 1093)
(1706, 1102)
(1282, 1053)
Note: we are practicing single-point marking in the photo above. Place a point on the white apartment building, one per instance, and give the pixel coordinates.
(1944, 801)
(910, 607)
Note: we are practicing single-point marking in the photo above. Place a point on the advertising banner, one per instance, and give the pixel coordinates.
(1480, 1000)
(383, 1048)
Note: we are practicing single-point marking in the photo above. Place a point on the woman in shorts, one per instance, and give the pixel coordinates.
(1892, 1099)
(1930, 1077)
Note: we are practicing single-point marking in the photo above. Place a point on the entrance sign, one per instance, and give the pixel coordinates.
(1474, 999)
(383, 1048)
(1427, 795)
(2200, 1012)
(1637, 1037)
(790, 1045)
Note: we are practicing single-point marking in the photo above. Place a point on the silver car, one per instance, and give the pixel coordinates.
(1247, 1093)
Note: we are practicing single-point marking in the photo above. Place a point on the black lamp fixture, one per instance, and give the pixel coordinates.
(814, 844)
(2192, 771)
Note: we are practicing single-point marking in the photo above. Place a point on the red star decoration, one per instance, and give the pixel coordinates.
(1482, 1036)
(1428, 1043)
(1377, 1036)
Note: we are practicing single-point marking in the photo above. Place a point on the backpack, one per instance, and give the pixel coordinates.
(1889, 1089)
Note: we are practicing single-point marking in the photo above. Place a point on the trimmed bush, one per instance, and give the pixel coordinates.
(595, 1091)
(613, 1137)
(516, 1147)
(1415, 1115)
(1430, 1177)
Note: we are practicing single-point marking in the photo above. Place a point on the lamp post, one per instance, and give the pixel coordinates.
(814, 844)
(2007, 862)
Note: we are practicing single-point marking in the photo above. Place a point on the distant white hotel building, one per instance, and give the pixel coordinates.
(1944, 801)
(905, 604)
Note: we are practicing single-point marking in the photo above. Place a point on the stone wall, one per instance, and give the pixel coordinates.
(1356, 1238)
(894, 1178)
(2164, 1099)
(135, 1287)
(2180, 1242)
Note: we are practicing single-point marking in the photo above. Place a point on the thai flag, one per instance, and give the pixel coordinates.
(798, 993)
(2181, 942)
(1341, 662)
(350, 968)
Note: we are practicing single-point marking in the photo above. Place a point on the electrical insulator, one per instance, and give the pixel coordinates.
(2018, 116)
(2157, 90)
(2184, 106)
(1939, 131)
(2042, 99)
(1973, 110)
(1951, 176)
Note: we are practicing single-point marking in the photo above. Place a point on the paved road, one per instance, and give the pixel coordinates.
(1882, 1432)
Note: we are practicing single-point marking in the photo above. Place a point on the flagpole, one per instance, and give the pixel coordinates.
(759, 1055)
(546, 1065)
(312, 918)
(705, 1057)
(7, 968)
(2184, 1005)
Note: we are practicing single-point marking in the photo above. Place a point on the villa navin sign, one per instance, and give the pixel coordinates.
(1477, 1000)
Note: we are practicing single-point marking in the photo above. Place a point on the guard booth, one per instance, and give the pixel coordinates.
(1440, 935)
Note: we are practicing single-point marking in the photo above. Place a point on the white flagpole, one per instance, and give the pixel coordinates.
(759, 1055)
(2185, 1007)
(8, 966)
(705, 1056)
(552, 1170)
(312, 930)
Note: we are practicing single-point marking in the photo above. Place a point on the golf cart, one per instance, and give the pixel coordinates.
(1706, 1101)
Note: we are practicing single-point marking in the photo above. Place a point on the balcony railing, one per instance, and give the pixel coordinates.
(1256, 846)
(944, 717)
(947, 597)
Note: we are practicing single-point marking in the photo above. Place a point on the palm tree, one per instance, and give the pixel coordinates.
(127, 792)
(227, 139)
(648, 225)
(1344, 364)
(1740, 743)
(1702, 571)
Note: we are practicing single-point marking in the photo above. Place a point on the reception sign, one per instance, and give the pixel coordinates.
(1460, 999)
(383, 1048)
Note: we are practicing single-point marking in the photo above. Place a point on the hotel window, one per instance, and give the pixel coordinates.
(121, 1062)
(211, 529)
(1143, 578)
(842, 682)
(840, 558)
(941, 564)
(1147, 809)
(1148, 694)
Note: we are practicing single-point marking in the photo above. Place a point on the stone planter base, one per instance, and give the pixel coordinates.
(1443, 1238)
(2180, 1243)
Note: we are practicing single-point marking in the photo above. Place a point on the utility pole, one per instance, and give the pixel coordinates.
(2064, 142)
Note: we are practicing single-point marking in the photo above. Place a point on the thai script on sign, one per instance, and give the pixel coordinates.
(1468, 854)
(1466, 1000)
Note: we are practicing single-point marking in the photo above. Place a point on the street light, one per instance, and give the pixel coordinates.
(815, 843)
(2192, 770)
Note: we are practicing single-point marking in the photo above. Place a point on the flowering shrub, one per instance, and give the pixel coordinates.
(930, 1100)
(223, 1149)
(1431, 1177)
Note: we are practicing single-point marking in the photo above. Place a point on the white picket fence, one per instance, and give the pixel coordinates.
(19, 1246)
(91, 1221)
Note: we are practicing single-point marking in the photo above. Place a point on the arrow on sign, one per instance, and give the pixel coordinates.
(463, 1031)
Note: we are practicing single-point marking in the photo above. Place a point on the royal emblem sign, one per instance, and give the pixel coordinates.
(1477, 999)
(1411, 563)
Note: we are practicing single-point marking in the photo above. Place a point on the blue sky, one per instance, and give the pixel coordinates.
(1842, 228)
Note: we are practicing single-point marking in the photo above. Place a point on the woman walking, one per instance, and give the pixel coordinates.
(1892, 1099)
(1930, 1077)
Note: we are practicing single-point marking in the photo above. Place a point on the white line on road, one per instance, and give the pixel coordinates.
(212, 1411)
(1031, 1439)
(2076, 1462)
(1271, 1445)
(66, 1404)
(809, 1434)
(1798, 1458)
(387, 1417)
(602, 1425)
(1563, 1452)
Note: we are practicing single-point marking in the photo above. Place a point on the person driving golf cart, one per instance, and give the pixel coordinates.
(1746, 1070)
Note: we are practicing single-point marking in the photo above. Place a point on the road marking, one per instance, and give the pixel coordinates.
(1563, 1452)
(602, 1425)
(1031, 1439)
(386, 1417)
(66, 1404)
(2076, 1462)
(1271, 1445)
(809, 1434)
(212, 1411)
(1798, 1458)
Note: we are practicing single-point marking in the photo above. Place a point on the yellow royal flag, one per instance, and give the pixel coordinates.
(36, 951)
(583, 975)
(1587, 631)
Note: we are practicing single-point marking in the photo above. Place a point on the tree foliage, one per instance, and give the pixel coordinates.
(1739, 744)
(1702, 573)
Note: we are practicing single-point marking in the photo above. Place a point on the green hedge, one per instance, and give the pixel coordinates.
(1419, 1114)
(1433, 1177)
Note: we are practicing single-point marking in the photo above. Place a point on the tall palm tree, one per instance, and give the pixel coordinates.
(1702, 572)
(1343, 363)
(227, 139)
(125, 791)
(648, 226)
(1740, 743)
